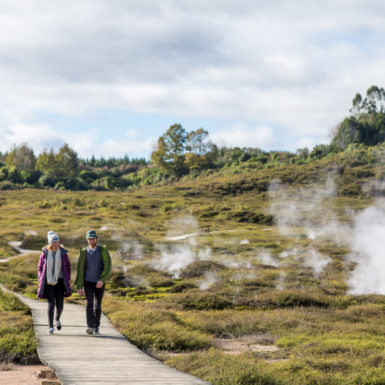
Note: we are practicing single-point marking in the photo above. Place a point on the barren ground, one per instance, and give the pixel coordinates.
(21, 375)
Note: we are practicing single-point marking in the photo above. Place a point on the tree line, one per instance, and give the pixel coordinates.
(179, 153)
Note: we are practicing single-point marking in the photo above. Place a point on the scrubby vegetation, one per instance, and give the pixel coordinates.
(254, 249)
(17, 338)
(191, 155)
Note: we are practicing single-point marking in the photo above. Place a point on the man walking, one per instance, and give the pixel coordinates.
(93, 270)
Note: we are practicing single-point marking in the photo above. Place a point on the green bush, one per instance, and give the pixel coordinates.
(6, 186)
(221, 369)
(152, 328)
(181, 287)
(17, 338)
(47, 181)
(285, 298)
(199, 268)
(201, 301)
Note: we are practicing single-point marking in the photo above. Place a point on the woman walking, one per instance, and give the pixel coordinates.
(54, 273)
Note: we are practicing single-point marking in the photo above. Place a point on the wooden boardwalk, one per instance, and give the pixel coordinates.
(80, 359)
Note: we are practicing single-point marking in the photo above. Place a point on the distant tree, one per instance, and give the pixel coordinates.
(47, 181)
(357, 105)
(64, 164)
(21, 157)
(158, 157)
(302, 152)
(67, 161)
(4, 172)
(31, 176)
(321, 150)
(374, 101)
(92, 161)
(170, 152)
(348, 131)
(15, 175)
(46, 163)
(197, 141)
(366, 124)
(201, 153)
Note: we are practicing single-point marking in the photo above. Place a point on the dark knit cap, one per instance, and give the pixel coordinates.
(91, 234)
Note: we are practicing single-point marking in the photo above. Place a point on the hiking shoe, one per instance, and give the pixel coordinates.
(50, 331)
(90, 331)
(58, 325)
(97, 331)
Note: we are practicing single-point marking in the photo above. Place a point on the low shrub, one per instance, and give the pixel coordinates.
(199, 268)
(251, 217)
(201, 301)
(17, 337)
(181, 287)
(160, 281)
(152, 328)
(222, 369)
(285, 298)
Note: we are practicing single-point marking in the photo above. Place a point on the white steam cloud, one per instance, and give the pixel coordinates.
(306, 213)
(316, 261)
(266, 259)
(207, 281)
(176, 259)
(131, 250)
(307, 209)
(173, 258)
(182, 227)
(368, 251)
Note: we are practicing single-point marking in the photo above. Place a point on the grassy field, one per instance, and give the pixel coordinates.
(17, 338)
(266, 296)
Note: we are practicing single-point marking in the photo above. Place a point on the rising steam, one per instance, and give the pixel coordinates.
(368, 251)
(307, 213)
(174, 257)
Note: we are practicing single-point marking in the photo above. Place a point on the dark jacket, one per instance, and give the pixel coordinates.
(41, 272)
(106, 272)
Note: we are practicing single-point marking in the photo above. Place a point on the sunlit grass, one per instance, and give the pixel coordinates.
(17, 338)
(238, 285)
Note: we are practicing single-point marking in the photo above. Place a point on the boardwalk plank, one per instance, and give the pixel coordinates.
(108, 359)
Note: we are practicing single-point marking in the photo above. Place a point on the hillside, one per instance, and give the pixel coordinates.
(277, 263)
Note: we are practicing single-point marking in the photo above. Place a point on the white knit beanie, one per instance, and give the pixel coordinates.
(52, 237)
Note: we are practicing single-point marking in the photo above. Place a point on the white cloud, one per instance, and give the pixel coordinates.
(86, 143)
(287, 65)
(119, 148)
(38, 136)
(244, 136)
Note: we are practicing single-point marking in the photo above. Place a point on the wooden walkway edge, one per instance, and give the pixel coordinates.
(79, 359)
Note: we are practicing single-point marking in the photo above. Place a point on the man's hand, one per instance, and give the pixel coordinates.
(99, 284)
(81, 291)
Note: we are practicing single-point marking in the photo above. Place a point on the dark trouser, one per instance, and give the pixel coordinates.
(55, 296)
(94, 298)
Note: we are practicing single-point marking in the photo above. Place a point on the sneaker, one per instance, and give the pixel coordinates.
(97, 331)
(50, 331)
(58, 325)
(89, 331)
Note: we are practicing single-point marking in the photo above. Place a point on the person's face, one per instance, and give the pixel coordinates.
(55, 245)
(92, 242)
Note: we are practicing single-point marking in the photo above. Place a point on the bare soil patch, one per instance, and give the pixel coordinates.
(245, 344)
(21, 375)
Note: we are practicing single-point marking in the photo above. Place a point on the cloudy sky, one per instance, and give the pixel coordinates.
(108, 77)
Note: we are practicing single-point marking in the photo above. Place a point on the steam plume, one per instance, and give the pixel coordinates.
(368, 251)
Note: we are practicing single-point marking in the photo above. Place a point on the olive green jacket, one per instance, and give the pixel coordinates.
(82, 260)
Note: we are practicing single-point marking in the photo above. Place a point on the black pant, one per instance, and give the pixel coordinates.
(55, 296)
(94, 298)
